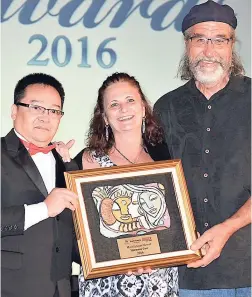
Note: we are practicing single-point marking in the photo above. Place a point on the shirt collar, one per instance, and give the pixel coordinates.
(19, 135)
(22, 137)
(235, 83)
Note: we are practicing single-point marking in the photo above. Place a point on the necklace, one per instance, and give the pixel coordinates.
(126, 157)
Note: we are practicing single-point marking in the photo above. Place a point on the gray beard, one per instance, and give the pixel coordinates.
(207, 77)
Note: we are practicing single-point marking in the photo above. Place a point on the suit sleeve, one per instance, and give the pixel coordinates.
(75, 251)
(12, 220)
(12, 216)
(71, 166)
(78, 159)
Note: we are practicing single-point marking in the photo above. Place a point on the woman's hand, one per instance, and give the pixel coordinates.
(63, 149)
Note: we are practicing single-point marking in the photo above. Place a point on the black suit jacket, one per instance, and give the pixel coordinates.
(35, 261)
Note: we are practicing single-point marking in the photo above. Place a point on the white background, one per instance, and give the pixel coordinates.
(151, 56)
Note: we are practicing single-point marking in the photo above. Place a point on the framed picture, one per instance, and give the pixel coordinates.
(132, 216)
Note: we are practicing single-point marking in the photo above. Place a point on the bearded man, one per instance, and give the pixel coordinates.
(207, 125)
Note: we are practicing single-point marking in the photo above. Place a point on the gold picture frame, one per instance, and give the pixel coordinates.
(132, 216)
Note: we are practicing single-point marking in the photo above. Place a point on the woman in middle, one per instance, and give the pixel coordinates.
(123, 131)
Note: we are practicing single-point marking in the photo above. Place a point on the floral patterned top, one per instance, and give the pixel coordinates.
(158, 283)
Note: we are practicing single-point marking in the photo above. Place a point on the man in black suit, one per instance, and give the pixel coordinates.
(37, 232)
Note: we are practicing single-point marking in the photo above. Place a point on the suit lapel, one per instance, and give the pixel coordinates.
(23, 158)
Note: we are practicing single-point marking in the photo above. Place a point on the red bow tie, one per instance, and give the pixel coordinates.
(33, 149)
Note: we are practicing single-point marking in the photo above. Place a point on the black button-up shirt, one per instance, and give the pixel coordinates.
(212, 137)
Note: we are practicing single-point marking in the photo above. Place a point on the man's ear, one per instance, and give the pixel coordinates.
(14, 111)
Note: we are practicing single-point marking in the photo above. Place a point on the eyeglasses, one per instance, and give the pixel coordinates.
(40, 110)
(218, 42)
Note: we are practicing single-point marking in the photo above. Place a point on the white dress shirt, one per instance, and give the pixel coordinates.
(35, 213)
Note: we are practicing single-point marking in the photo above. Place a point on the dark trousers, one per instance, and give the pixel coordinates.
(74, 286)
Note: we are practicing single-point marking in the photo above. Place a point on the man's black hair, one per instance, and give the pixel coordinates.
(37, 78)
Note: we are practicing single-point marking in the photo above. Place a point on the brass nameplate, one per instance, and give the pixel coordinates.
(138, 246)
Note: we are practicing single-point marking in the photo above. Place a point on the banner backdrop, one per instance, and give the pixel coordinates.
(81, 42)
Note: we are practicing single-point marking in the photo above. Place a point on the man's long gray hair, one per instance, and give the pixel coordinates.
(185, 72)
